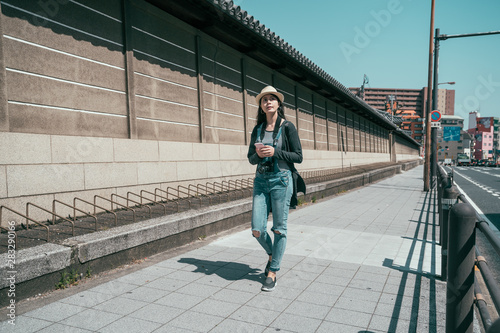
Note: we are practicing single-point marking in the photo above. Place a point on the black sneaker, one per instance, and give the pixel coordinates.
(268, 266)
(269, 284)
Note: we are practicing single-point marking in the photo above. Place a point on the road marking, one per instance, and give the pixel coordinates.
(481, 186)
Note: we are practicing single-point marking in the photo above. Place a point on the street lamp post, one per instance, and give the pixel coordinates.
(431, 163)
(435, 91)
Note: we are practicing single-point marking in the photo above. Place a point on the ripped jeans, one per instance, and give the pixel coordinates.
(272, 189)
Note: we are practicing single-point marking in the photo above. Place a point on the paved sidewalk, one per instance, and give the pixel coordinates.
(364, 261)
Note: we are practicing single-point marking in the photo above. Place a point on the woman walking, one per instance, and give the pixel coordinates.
(274, 148)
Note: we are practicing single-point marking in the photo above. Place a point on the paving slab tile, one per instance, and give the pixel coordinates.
(196, 321)
(180, 301)
(348, 317)
(120, 305)
(292, 322)
(157, 313)
(24, 324)
(231, 325)
(55, 311)
(91, 319)
(130, 325)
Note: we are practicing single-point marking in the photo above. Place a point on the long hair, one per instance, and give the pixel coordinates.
(261, 115)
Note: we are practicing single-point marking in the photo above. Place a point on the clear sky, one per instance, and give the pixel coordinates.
(388, 40)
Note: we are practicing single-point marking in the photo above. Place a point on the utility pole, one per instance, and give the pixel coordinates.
(433, 136)
(427, 166)
(435, 92)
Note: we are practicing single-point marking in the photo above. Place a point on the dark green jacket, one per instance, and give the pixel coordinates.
(290, 152)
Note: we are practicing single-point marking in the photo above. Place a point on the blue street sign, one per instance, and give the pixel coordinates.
(451, 133)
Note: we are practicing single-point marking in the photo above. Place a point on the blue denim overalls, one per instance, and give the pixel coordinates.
(272, 188)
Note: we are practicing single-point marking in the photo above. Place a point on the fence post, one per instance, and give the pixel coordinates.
(442, 184)
(461, 256)
(450, 195)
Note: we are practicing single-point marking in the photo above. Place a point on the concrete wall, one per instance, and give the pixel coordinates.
(406, 150)
(115, 96)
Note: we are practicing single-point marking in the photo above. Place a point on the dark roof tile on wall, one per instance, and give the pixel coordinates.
(233, 19)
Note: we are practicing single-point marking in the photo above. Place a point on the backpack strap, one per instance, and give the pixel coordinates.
(276, 135)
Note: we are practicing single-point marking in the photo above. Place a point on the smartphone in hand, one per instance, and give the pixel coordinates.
(259, 145)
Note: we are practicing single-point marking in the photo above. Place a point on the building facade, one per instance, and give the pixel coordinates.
(486, 133)
(409, 104)
(452, 139)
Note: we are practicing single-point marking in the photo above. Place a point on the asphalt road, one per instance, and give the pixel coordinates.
(482, 186)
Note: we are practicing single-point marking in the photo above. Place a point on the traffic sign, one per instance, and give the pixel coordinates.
(435, 115)
(451, 133)
(436, 124)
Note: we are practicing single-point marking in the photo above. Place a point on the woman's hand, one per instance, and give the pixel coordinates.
(266, 151)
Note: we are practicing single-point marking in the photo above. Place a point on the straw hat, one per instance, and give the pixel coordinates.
(270, 90)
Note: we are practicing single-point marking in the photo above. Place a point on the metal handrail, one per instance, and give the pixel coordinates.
(215, 192)
(203, 194)
(94, 205)
(117, 203)
(176, 196)
(490, 235)
(244, 186)
(153, 201)
(53, 215)
(198, 194)
(179, 187)
(136, 202)
(210, 193)
(492, 285)
(74, 210)
(236, 187)
(221, 186)
(6, 229)
(249, 184)
(489, 279)
(166, 198)
(27, 219)
(482, 305)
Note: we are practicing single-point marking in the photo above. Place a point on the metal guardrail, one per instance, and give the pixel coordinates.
(459, 223)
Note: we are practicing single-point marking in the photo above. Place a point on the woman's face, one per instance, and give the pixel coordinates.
(269, 103)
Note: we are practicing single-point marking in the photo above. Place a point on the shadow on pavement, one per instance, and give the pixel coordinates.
(231, 271)
(425, 233)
